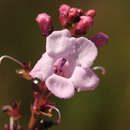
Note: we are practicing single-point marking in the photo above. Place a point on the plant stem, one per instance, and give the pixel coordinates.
(11, 123)
(32, 122)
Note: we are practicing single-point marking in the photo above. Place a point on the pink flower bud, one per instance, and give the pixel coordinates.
(74, 14)
(100, 39)
(91, 13)
(83, 25)
(63, 10)
(45, 23)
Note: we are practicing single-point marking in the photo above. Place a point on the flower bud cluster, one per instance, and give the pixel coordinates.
(76, 19)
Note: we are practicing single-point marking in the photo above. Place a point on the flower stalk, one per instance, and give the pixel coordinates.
(64, 69)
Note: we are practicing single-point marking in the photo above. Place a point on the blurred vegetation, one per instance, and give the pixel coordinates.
(106, 108)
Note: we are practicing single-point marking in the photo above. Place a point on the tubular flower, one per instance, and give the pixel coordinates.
(78, 54)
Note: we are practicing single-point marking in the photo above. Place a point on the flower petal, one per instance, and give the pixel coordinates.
(87, 52)
(84, 79)
(60, 86)
(43, 68)
(60, 43)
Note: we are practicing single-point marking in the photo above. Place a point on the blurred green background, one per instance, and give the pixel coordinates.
(106, 108)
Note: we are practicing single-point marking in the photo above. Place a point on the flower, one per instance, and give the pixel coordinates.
(79, 54)
(100, 39)
(83, 25)
(63, 14)
(74, 14)
(13, 110)
(91, 13)
(45, 23)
